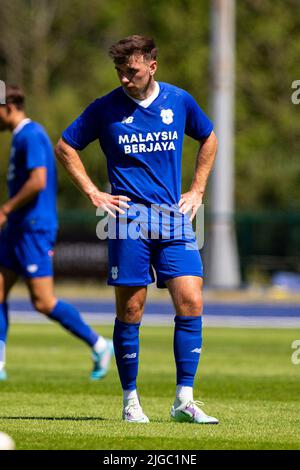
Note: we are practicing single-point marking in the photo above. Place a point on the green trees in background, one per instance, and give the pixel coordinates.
(58, 52)
(267, 123)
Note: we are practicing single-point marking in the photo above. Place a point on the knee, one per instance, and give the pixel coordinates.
(132, 312)
(3, 291)
(191, 306)
(43, 306)
(2, 295)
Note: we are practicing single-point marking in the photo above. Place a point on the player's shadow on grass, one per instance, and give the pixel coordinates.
(56, 418)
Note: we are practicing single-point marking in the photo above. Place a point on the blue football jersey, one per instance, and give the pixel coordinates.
(143, 146)
(31, 148)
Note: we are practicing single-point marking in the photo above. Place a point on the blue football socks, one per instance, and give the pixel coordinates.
(69, 317)
(3, 331)
(187, 348)
(126, 345)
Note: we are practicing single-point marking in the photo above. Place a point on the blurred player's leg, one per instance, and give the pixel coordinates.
(44, 301)
(130, 303)
(7, 280)
(186, 292)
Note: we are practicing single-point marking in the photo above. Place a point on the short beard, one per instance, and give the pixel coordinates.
(143, 92)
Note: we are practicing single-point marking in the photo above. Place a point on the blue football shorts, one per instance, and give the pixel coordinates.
(132, 262)
(27, 253)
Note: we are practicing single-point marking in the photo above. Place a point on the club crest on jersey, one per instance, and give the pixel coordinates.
(114, 272)
(167, 116)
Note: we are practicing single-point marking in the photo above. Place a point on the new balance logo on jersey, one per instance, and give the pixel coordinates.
(11, 167)
(127, 120)
(197, 350)
(129, 356)
(11, 171)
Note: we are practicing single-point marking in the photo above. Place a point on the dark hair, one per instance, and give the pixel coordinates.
(123, 49)
(16, 96)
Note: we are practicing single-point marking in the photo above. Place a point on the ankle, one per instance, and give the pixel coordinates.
(100, 345)
(184, 393)
(130, 397)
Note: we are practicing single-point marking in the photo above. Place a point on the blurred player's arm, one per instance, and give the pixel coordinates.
(35, 183)
(72, 163)
(192, 200)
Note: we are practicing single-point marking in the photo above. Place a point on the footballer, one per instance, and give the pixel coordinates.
(140, 127)
(28, 224)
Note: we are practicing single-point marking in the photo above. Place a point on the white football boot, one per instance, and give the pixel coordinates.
(133, 413)
(189, 412)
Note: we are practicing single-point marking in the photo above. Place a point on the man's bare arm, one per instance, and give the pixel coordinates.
(35, 183)
(72, 163)
(204, 163)
(192, 200)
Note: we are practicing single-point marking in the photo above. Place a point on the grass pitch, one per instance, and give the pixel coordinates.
(246, 378)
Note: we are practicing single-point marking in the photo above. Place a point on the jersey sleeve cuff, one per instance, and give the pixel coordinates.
(71, 142)
(207, 132)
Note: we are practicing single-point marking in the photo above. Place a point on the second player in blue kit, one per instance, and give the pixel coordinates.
(28, 220)
(140, 127)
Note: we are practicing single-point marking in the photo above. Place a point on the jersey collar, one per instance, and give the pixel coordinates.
(146, 103)
(21, 125)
